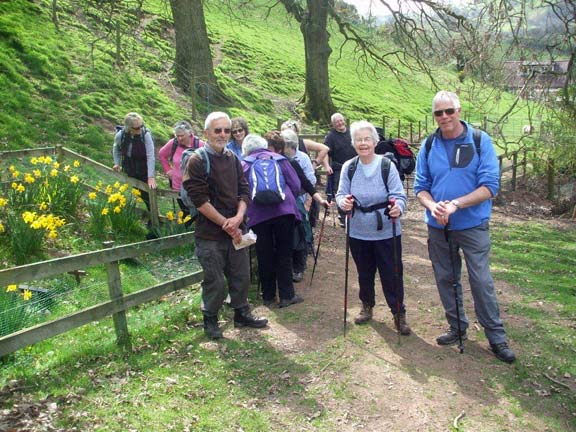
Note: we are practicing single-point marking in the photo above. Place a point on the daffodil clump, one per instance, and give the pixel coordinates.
(15, 312)
(112, 210)
(174, 224)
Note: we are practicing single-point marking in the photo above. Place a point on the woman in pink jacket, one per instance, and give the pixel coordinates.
(170, 155)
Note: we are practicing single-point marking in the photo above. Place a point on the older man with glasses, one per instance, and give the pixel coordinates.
(456, 179)
(221, 198)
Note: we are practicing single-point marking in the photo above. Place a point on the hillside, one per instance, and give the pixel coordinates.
(61, 86)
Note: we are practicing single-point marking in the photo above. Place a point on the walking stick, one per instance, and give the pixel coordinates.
(448, 236)
(396, 271)
(319, 242)
(346, 270)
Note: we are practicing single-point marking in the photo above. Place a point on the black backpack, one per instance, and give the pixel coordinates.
(398, 151)
(385, 171)
(124, 138)
(175, 143)
(183, 193)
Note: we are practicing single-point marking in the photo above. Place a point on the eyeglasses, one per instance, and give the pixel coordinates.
(448, 111)
(362, 140)
(136, 127)
(237, 131)
(218, 131)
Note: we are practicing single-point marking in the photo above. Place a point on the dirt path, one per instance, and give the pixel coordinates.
(415, 385)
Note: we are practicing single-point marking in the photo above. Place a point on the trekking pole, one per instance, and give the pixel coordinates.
(346, 270)
(448, 236)
(396, 271)
(319, 242)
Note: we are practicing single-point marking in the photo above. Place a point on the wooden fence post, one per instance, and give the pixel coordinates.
(550, 177)
(116, 296)
(154, 212)
(514, 164)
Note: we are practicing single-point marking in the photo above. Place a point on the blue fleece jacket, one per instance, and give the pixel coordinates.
(453, 169)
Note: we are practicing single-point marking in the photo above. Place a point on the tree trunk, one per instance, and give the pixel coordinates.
(193, 63)
(317, 97)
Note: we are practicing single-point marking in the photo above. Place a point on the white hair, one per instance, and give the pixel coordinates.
(253, 142)
(216, 115)
(447, 97)
(334, 116)
(290, 138)
(363, 124)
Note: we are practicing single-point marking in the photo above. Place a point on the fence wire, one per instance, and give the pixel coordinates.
(36, 302)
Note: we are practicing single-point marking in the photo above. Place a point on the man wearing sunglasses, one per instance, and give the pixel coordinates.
(221, 195)
(456, 180)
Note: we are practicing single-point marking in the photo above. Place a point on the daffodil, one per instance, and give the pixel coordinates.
(54, 172)
(108, 190)
(29, 178)
(74, 179)
(92, 195)
(124, 187)
(117, 185)
(37, 173)
(2, 229)
(28, 217)
(34, 161)
(56, 165)
(11, 288)
(43, 206)
(20, 188)
(170, 216)
(52, 234)
(136, 192)
(3, 202)
(15, 174)
(11, 168)
(27, 295)
(117, 209)
(14, 185)
(76, 163)
(66, 168)
(104, 211)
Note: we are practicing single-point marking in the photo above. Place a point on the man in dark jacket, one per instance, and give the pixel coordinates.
(339, 142)
(221, 196)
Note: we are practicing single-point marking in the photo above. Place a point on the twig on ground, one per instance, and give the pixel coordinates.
(457, 419)
(557, 382)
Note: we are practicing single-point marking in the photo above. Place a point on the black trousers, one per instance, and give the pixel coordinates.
(372, 255)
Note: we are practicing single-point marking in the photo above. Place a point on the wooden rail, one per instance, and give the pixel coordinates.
(116, 306)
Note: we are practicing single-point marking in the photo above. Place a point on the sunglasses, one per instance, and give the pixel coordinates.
(218, 131)
(448, 111)
(237, 131)
(136, 127)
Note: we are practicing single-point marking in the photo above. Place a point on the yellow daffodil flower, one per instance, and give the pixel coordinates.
(54, 173)
(11, 288)
(3, 202)
(20, 188)
(170, 216)
(117, 209)
(27, 295)
(66, 168)
(74, 179)
(37, 173)
(43, 206)
(76, 163)
(92, 195)
(2, 229)
(104, 211)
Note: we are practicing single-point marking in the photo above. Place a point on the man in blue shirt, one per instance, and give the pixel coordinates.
(455, 182)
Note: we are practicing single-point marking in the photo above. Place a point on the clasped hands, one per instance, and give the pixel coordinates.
(442, 210)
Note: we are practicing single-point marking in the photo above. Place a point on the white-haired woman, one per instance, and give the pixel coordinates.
(371, 198)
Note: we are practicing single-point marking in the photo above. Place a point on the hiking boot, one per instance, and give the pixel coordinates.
(244, 318)
(401, 324)
(451, 337)
(287, 302)
(211, 327)
(297, 277)
(365, 314)
(503, 352)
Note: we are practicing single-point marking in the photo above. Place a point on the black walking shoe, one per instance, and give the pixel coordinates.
(451, 337)
(287, 302)
(297, 277)
(244, 318)
(503, 352)
(211, 327)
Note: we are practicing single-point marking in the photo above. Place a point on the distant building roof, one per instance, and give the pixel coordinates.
(543, 75)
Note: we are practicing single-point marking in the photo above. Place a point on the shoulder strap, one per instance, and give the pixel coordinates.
(428, 144)
(352, 167)
(173, 149)
(196, 142)
(477, 135)
(385, 168)
(204, 156)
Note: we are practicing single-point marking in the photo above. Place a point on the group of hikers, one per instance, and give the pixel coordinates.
(241, 181)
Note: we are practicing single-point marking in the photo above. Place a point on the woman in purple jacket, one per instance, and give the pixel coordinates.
(273, 223)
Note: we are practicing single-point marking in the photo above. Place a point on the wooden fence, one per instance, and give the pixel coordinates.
(118, 303)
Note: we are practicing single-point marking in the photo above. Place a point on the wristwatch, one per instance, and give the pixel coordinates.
(455, 203)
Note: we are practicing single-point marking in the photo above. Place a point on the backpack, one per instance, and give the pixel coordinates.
(266, 180)
(124, 138)
(195, 145)
(384, 170)
(398, 151)
(476, 135)
(183, 193)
